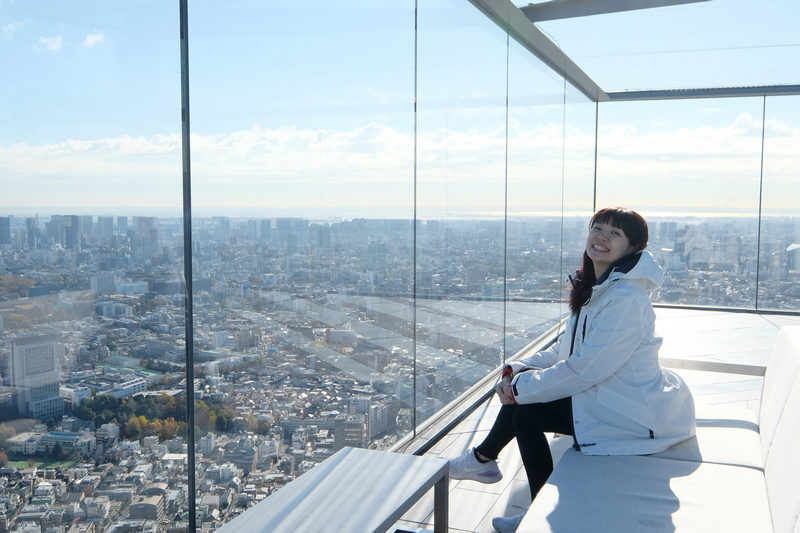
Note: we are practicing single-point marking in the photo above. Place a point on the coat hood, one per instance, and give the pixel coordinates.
(640, 266)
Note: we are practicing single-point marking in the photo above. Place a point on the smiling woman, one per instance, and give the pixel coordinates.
(601, 381)
(613, 234)
(606, 245)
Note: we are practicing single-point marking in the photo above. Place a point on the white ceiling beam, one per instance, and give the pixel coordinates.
(564, 9)
(713, 92)
(509, 17)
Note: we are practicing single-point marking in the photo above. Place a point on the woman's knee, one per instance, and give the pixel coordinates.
(526, 417)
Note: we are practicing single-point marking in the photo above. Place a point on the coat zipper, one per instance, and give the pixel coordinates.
(571, 349)
(575, 334)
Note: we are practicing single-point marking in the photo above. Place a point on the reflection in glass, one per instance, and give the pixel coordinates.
(460, 200)
(693, 171)
(779, 264)
(535, 225)
(303, 253)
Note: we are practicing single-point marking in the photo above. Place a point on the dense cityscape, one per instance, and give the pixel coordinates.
(308, 336)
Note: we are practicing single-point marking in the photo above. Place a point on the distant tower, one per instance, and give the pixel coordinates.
(32, 233)
(87, 225)
(72, 231)
(793, 257)
(5, 230)
(35, 369)
(266, 228)
(54, 229)
(105, 225)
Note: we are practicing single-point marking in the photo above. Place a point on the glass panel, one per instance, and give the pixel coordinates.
(535, 199)
(460, 201)
(779, 269)
(691, 168)
(302, 153)
(91, 263)
(579, 155)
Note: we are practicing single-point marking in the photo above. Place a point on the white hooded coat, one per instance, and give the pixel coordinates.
(623, 402)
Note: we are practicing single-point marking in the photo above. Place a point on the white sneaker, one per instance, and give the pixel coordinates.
(467, 466)
(507, 524)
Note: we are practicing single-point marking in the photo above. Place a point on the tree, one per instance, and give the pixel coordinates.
(169, 429)
(9, 284)
(3, 458)
(84, 412)
(6, 432)
(135, 427)
(17, 321)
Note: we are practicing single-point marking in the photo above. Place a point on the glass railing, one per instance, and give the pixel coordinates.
(385, 203)
(717, 184)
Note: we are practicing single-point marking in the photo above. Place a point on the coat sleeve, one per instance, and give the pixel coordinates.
(615, 333)
(543, 358)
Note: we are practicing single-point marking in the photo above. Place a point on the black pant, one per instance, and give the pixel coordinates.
(528, 423)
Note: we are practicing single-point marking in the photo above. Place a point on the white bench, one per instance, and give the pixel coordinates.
(353, 491)
(740, 473)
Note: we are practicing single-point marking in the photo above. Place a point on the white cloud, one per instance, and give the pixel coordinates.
(51, 44)
(10, 29)
(93, 39)
(373, 166)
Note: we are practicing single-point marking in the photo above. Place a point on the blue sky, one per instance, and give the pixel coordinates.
(311, 109)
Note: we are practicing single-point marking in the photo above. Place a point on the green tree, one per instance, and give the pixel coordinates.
(84, 412)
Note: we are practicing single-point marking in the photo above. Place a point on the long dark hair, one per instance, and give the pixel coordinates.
(635, 228)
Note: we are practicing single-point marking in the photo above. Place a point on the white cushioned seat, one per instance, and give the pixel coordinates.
(725, 435)
(782, 373)
(735, 475)
(782, 470)
(631, 494)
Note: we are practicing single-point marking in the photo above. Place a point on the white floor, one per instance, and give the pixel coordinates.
(713, 336)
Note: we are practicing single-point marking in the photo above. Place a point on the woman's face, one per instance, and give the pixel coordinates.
(606, 244)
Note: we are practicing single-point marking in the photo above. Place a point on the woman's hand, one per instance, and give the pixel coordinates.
(503, 390)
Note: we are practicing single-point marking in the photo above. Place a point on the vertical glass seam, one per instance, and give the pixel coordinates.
(505, 205)
(760, 196)
(563, 188)
(187, 262)
(414, 230)
(596, 135)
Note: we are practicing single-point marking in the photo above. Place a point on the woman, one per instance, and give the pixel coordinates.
(601, 381)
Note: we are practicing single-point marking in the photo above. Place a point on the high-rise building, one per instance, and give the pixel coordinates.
(793, 257)
(72, 231)
(266, 228)
(105, 226)
(32, 233)
(5, 230)
(87, 225)
(378, 420)
(54, 229)
(35, 369)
